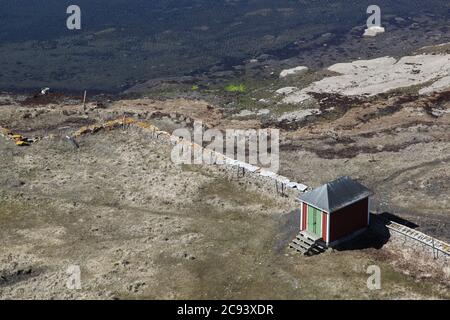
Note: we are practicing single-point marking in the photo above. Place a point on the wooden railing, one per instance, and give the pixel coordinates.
(436, 245)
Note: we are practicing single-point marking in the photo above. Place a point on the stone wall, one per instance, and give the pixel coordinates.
(255, 176)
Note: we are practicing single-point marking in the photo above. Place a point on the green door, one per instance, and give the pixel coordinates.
(315, 221)
(311, 219)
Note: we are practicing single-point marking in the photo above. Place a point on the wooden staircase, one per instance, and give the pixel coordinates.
(308, 244)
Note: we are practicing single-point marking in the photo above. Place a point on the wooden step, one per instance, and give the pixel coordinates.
(306, 240)
(307, 246)
(308, 235)
(318, 249)
(298, 248)
(321, 245)
(304, 245)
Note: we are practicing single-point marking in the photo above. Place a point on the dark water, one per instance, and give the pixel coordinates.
(123, 42)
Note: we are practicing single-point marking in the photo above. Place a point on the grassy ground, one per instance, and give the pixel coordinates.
(141, 227)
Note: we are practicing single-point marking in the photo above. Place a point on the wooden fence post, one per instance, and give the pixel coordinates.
(84, 100)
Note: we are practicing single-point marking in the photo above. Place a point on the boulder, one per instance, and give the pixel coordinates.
(294, 71)
(373, 31)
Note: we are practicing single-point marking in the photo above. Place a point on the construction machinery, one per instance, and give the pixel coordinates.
(20, 140)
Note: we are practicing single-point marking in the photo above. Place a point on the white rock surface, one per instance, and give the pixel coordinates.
(263, 112)
(298, 115)
(440, 85)
(376, 76)
(244, 113)
(247, 113)
(296, 97)
(373, 31)
(294, 71)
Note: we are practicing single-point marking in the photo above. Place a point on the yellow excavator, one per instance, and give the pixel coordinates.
(20, 140)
